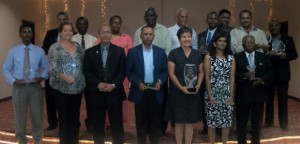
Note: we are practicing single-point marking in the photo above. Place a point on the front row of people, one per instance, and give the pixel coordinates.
(103, 68)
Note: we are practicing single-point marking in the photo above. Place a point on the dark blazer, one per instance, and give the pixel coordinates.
(114, 73)
(245, 92)
(202, 38)
(282, 66)
(50, 38)
(136, 71)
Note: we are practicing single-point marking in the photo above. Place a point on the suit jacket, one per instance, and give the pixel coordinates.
(202, 38)
(136, 71)
(282, 66)
(114, 73)
(245, 92)
(50, 38)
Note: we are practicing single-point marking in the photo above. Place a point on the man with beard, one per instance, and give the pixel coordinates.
(247, 28)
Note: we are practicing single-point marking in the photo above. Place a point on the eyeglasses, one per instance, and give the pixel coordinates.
(105, 32)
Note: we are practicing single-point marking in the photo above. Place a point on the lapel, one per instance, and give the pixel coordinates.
(256, 59)
(98, 56)
(155, 55)
(141, 60)
(244, 60)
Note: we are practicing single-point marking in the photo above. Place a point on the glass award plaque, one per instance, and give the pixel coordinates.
(278, 46)
(251, 69)
(70, 69)
(190, 76)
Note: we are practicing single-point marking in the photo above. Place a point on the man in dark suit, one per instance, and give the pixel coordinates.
(205, 39)
(253, 72)
(104, 69)
(51, 38)
(147, 72)
(281, 62)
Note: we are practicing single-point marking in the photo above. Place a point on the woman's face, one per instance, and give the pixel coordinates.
(220, 43)
(185, 39)
(67, 32)
(116, 25)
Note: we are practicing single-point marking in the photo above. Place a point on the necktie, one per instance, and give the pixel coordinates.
(26, 64)
(82, 42)
(208, 38)
(251, 60)
(104, 56)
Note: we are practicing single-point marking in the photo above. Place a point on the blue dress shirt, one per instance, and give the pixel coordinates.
(148, 64)
(13, 64)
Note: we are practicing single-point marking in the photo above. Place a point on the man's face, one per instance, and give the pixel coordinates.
(246, 20)
(105, 34)
(150, 18)
(182, 18)
(147, 36)
(224, 19)
(274, 27)
(62, 18)
(249, 45)
(26, 34)
(212, 20)
(82, 26)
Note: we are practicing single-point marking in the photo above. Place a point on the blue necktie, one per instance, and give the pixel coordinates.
(208, 38)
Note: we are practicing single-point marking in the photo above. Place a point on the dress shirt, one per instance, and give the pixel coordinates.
(175, 41)
(89, 39)
(148, 64)
(238, 33)
(162, 37)
(253, 56)
(13, 64)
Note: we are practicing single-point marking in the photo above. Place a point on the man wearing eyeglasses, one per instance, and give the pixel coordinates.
(104, 69)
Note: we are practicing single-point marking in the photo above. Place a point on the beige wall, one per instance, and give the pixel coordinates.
(131, 11)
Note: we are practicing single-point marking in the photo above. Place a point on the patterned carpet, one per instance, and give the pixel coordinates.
(272, 135)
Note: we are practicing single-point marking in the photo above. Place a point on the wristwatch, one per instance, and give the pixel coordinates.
(113, 85)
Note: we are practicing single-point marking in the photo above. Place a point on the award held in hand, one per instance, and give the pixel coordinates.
(278, 46)
(190, 76)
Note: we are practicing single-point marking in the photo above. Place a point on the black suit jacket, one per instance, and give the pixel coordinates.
(50, 38)
(245, 92)
(114, 73)
(202, 38)
(282, 66)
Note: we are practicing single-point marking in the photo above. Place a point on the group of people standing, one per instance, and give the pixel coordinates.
(168, 73)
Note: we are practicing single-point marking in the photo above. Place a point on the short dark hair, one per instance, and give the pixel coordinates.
(184, 30)
(113, 17)
(61, 26)
(213, 49)
(246, 11)
(222, 11)
(146, 26)
(210, 13)
(62, 13)
(82, 18)
(24, 26)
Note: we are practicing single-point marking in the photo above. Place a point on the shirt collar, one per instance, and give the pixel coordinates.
(213, 30)
(247, 54)
(145, 49)
(252, 29)
(102, 46)
(29, 46)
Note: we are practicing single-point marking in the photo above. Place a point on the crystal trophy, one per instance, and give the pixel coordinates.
(251, 69)
(190, 76)
(70, 69)
(278, 46)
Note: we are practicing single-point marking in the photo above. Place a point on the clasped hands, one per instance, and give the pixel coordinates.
(184, 89)
(256, 80)
(105, 87)
(228, 101)
(143, 87)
